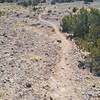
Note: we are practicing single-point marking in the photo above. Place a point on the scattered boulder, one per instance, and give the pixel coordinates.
(59, 41)
(51, 98)
(81, 64)
(28, 85)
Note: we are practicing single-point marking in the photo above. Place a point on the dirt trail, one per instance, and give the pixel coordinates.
(62, 82)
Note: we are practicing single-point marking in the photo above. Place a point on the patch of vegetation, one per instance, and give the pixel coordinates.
(87, 1)
(9, 1)
(75, 9)
(53, 2)
(35, 8)
(36, 58)
(85, 26)
(28, 3)
(49, 11)
(24, 3)
(2, 1)
(2, 13)
(60, 1)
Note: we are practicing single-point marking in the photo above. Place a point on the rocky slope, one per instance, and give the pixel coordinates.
(37, 62)
(26, 57)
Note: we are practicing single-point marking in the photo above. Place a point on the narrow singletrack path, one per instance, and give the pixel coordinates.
(62, 82)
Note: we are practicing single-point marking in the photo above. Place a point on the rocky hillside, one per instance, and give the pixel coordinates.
(37, 62)
(26, 55)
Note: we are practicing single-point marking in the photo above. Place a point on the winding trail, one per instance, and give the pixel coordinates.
(62, 82)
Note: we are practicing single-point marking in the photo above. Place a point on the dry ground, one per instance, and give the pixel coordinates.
(37, 62)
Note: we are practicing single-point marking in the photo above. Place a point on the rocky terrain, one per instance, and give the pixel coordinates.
(37, 62)
(26, 57)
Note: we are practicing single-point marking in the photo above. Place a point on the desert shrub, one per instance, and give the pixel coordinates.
(9, 1)
(2, 1)
(2, 13)
(53, 2)
(49, 11)
(74, 9)
(28, 3)
(87, 1)
(23, 3)
(35, 8)
(86, 27)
